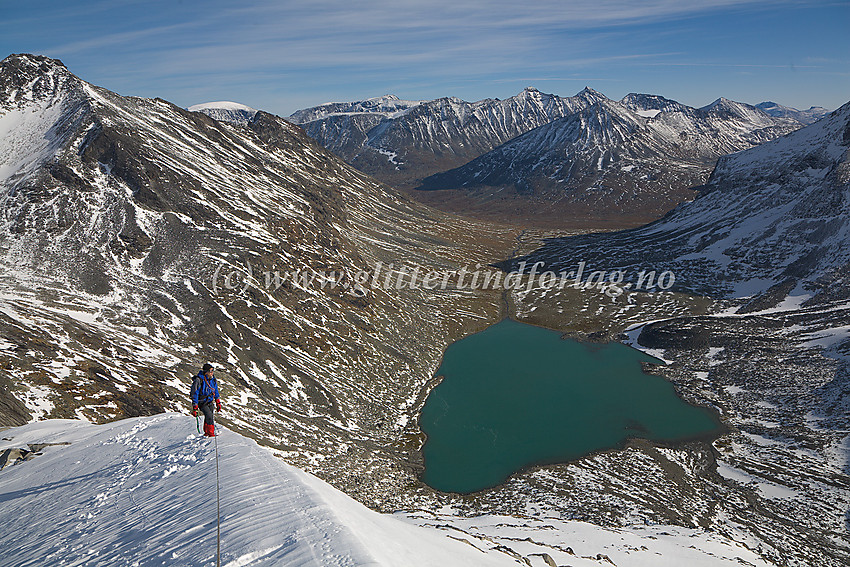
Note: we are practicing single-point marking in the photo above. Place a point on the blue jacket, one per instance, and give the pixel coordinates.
(204, 390)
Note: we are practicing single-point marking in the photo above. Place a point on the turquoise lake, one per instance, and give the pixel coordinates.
(515, 395)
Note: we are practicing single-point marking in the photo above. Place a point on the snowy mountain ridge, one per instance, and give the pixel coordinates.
(144, 493)
(387, 106)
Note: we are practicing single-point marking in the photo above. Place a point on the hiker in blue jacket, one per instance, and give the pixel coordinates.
(204, 393)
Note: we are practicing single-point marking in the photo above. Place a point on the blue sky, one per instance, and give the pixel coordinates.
(282, 56)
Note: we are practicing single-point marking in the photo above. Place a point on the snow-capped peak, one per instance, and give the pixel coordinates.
(25, 76)
(383, 100)
(40, 103)
(732, 109)
(226, 111)
(222, 104)
(720, 102)
(530, 92)
(649, 105)
(591, 95)
(32, 62)
(723, 104)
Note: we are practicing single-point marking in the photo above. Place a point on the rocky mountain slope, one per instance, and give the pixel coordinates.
(765, 245)
(138, 240)
(402, 142)
(634, 159)
(768, 214)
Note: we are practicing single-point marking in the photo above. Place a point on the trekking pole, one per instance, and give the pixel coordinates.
(218, 507)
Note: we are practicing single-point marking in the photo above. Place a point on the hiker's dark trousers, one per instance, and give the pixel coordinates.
(207, 408)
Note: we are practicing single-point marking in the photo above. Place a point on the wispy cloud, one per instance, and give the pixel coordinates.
(533, 80)
(122, 39)
(731, 65)
(283, 51)
(381, 31)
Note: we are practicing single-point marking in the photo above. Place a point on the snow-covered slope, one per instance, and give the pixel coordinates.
(142, 491)
(226, 111)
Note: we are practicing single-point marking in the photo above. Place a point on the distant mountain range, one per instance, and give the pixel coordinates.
(635, 159)
(810, 116)
(402, 142)
(536, 155)
(771, 214)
